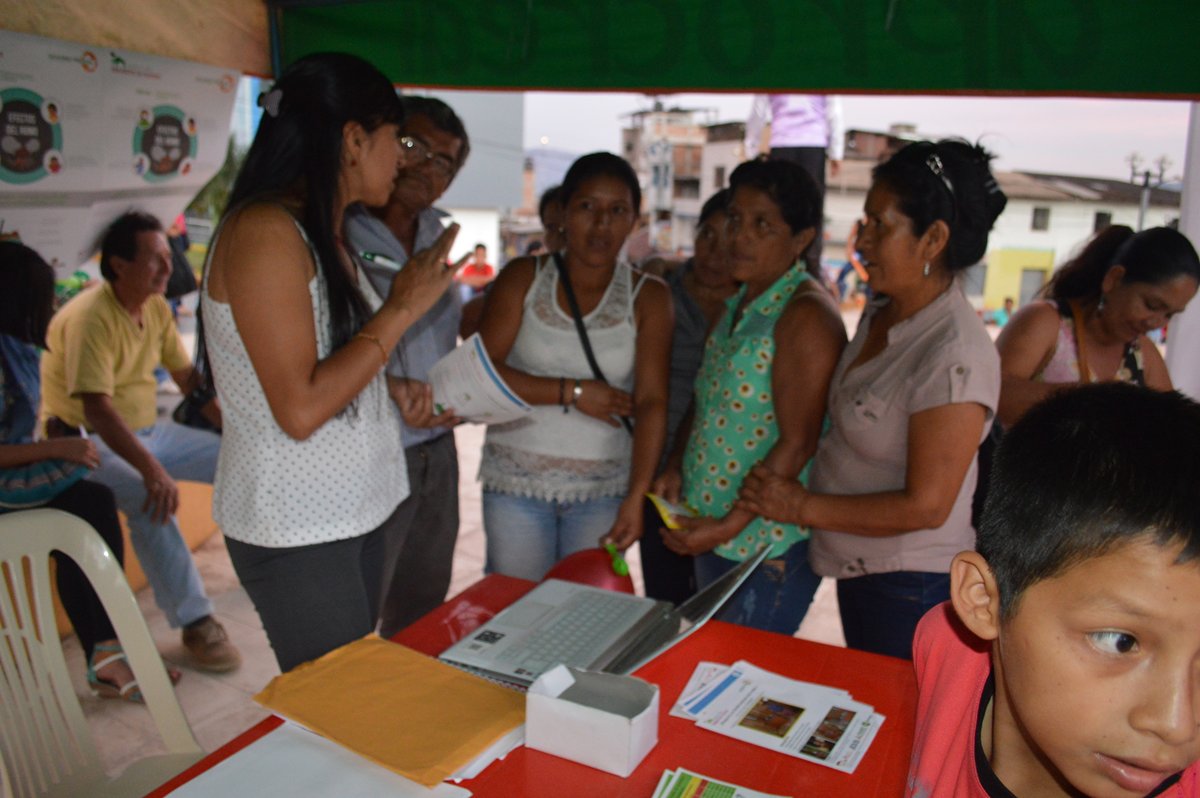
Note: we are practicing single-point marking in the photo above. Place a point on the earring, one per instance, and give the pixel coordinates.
(925, 271)
(1100, 305)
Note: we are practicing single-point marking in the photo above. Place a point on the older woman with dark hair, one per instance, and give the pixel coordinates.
(1092, 326)
(912, 397)
(760, 396)
(699, 290)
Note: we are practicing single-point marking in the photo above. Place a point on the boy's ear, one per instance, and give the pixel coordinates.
(975, 595)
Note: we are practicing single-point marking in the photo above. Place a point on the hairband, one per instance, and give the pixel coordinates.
(269, 101)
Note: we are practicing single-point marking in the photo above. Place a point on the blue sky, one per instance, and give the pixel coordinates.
(1066, 135)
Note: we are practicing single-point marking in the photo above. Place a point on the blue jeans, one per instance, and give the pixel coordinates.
(525, 536)
(774, 598)
(185, 453)
(880, 611)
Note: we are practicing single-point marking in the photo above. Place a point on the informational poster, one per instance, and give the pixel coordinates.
(89, 131)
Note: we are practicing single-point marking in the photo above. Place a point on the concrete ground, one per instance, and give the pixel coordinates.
(221, 706)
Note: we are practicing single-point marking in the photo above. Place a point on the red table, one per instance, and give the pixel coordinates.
(886, 683)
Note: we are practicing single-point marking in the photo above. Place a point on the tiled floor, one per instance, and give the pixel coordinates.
(220, 706)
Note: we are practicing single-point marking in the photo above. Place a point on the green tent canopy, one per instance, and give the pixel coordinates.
(1055, 47)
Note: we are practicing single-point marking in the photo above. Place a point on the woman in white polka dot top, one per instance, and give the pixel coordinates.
(311, 466)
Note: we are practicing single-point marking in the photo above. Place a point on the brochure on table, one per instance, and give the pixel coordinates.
(685, 784)
(809, 721)
(466, 380)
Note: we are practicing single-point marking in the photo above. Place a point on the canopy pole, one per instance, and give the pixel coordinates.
(1183, 341)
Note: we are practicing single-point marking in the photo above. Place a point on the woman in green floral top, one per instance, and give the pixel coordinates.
(759, 397)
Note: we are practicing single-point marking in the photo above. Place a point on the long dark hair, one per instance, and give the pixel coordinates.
(26, 293)
(298, 148)
(950, 180)
(1152, 256)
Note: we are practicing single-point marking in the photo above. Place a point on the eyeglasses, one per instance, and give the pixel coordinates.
(417, 153)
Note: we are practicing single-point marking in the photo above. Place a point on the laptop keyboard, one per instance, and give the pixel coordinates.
(578, 635)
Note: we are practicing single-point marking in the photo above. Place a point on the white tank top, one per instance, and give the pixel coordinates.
(568, 456)
(274, 491)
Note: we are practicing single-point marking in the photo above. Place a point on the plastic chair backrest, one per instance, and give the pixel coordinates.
(45, 741)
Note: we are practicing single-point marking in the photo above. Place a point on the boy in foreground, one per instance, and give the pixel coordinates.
(1067, 661)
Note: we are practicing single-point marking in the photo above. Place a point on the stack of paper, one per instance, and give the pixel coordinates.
(685, 784)
(424, 719)
(805, 720)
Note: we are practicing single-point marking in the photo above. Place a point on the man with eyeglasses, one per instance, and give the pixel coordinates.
(419, 544)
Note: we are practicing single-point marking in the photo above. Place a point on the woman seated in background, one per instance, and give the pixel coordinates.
(574, 471)
(312, 465)
(1099, 307)
(50, 473)
(759, 397)
(911, 399)
(699, 289)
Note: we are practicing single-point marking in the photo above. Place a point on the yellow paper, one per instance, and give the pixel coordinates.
(668, 510)
(397, 707)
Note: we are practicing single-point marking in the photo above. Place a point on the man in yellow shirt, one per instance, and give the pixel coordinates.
(98, 375)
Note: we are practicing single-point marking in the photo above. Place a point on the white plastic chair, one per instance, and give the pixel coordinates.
(45, 742)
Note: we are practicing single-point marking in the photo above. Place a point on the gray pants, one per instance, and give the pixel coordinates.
(420, 536)
(312, 599)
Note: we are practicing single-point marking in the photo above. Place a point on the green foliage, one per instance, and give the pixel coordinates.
(210, 202)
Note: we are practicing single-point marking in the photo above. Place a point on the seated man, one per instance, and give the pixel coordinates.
(98, 374)
(1067, 661)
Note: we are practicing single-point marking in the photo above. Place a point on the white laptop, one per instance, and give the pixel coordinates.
(586, 627)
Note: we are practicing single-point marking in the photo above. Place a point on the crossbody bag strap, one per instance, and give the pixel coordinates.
(573, 303)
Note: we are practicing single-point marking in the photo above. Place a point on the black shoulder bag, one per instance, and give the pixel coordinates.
(582, 330)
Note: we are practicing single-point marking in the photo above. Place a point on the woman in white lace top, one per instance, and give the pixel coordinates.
(571, 474)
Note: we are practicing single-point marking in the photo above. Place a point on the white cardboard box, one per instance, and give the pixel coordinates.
(602, 720)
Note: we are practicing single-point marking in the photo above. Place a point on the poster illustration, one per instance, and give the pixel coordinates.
(164, 143)
(86, 132)
(30, 136)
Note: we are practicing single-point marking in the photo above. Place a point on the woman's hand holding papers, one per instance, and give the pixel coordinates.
(417, 408)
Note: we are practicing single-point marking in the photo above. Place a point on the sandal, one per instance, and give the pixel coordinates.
(107, 688)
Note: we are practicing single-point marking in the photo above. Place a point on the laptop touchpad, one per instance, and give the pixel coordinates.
(526, 615)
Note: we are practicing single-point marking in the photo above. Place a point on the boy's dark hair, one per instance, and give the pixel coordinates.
(950, 180)
(26, 293)
(120, 239)
(598, 164)
(791, 188)
(714, 204)
(1088, 470)
(443, 118)
(1152, 256)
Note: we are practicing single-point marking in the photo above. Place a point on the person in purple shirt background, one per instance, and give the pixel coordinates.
(806, 129)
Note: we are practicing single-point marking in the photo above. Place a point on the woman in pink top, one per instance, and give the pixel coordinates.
(1092, 326)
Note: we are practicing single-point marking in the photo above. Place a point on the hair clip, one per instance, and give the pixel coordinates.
(269, 101)
(935, 165)
(991, 186)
